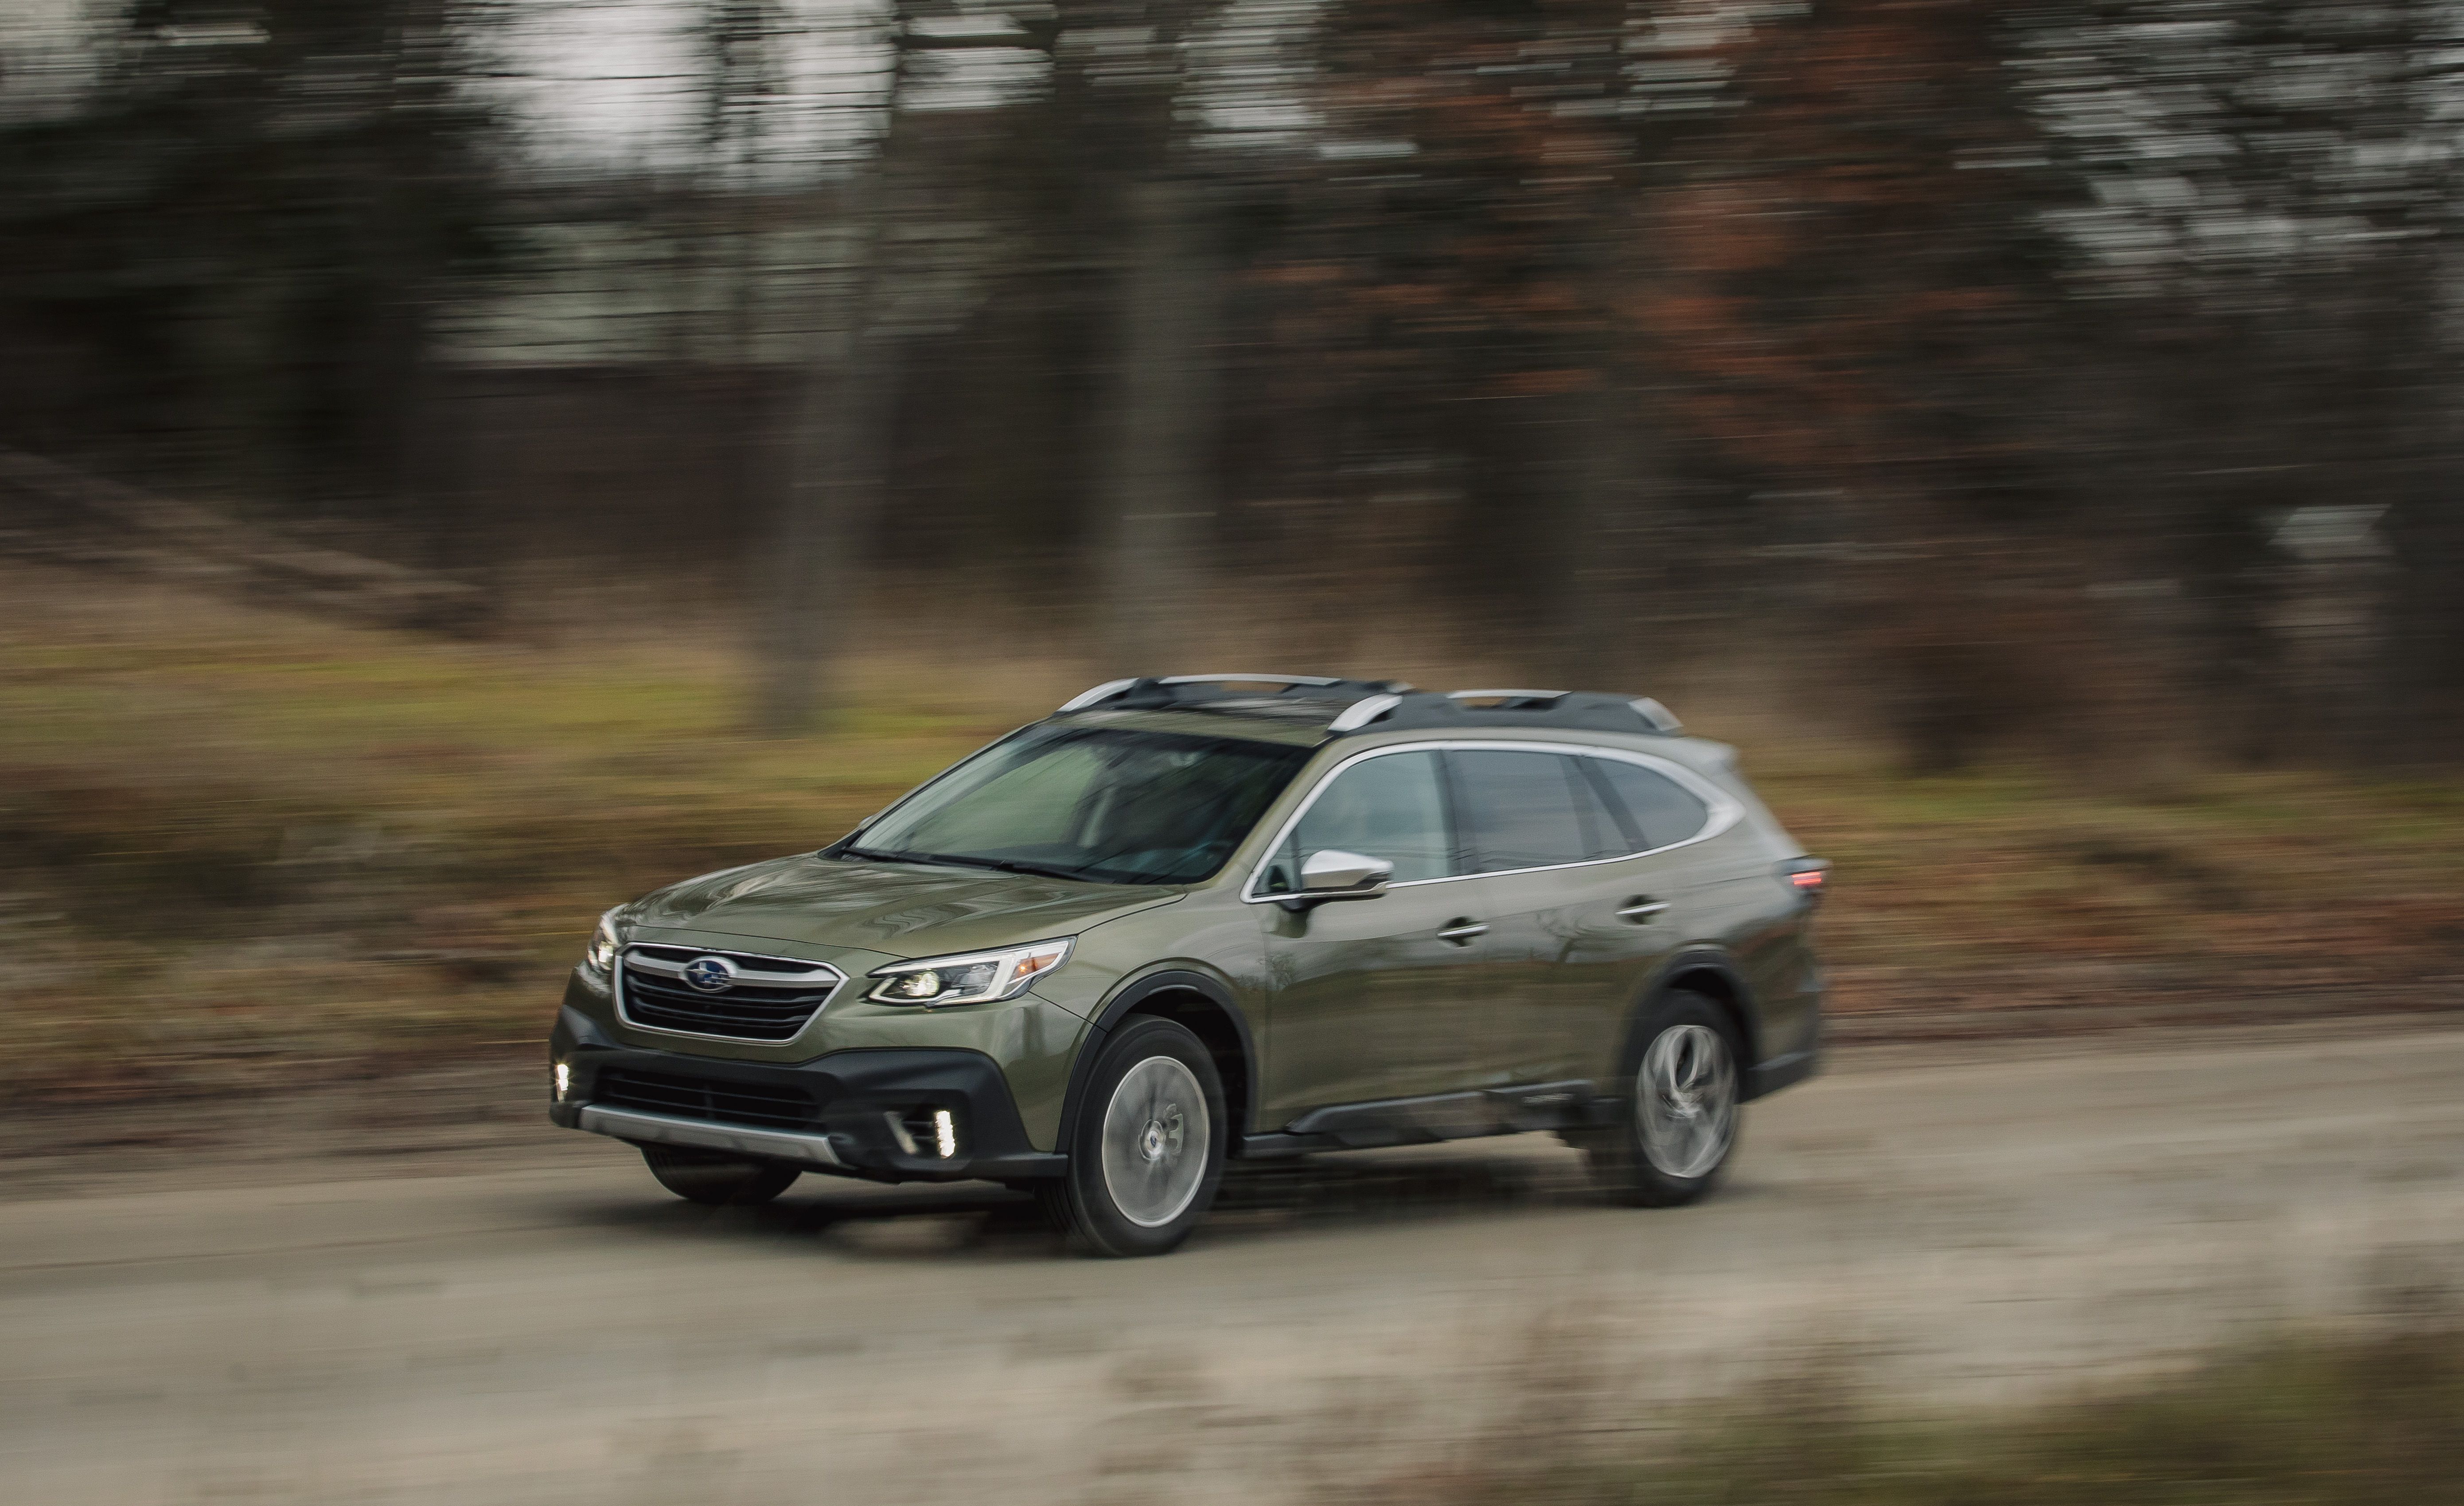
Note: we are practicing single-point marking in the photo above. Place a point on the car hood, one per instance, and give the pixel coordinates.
(902, 909)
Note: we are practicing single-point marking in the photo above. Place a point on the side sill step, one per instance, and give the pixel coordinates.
(1276, 1146)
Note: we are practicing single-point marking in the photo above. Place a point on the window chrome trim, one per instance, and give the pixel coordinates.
(837, 979)
(1726, 809)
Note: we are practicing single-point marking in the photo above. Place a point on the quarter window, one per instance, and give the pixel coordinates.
(1529, 810)
(1391, 806)
(1656, 811)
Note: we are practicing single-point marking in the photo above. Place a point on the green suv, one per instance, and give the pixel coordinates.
(1188, 921)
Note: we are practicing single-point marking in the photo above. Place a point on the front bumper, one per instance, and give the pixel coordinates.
(866, 1112)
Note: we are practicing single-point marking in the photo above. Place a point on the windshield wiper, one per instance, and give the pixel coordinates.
(961, 861)
(1040, 870)
(872, 854)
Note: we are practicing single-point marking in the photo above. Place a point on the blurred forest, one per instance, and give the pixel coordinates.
(2078, 376)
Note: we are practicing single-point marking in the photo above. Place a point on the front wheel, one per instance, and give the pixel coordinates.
(718, 1180)
(1682, 1109)
(1147, 1153)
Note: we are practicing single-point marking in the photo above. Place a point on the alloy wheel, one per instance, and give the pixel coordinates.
(1687, 1096)
(1156, 1140)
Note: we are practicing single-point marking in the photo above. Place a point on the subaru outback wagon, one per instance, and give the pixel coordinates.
(1188, 921)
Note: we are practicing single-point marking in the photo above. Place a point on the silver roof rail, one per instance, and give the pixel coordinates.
(1658, 718)
(1362, 713)
(1451, 710)
(1507, 695)
(1376, 700)
(1246, 679)
(1655, 716)
(1194, 692)
(1104, 692)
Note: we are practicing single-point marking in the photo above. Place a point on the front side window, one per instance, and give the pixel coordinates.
(1529, 810)
(1391, 806)
(1101, 804)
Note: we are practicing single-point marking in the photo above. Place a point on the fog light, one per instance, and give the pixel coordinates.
(564, 1080)
(945, 1133)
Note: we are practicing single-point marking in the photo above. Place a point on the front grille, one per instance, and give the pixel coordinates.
(770, 999)
(763, 1105)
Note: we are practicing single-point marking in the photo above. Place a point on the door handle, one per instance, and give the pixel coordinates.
(1462, 932)
(1640, 909)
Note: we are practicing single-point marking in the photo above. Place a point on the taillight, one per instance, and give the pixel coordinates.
(1807, 875)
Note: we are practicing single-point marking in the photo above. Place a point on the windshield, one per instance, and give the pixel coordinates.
(1106, 805)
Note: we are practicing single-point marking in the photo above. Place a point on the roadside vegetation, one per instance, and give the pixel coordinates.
(241, 848)
(2374, 1420)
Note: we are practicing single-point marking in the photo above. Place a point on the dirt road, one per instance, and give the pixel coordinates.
(548, 1327)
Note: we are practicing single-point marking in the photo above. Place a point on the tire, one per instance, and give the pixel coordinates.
(717, 1180)
(1146, 1152)
(1683, 1082)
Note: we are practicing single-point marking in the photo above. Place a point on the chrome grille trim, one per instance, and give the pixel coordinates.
(793, 999)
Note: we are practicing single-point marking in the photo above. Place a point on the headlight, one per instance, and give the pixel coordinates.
(976, 978)
(600, 957)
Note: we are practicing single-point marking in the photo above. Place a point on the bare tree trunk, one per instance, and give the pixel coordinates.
(1156, 496)
(1594, 551)
(744, 85)
(836, 451)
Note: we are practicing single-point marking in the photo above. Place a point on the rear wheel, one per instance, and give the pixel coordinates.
(1147, 1153)
(1683, 1111)
(718, 1180)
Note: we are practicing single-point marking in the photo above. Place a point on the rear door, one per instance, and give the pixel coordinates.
(1532, 827)
(1585, 860)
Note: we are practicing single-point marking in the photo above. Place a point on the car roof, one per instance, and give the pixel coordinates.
(1305, 709)
(1290, 725)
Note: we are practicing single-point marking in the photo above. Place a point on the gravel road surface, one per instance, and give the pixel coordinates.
(538, 1324)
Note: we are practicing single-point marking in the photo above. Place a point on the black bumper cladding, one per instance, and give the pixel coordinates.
(877, 1113)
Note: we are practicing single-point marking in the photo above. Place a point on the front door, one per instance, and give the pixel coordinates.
(1371, 998)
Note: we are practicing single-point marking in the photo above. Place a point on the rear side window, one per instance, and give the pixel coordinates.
(1529, 810)
(1391, 806)
(1656, 810)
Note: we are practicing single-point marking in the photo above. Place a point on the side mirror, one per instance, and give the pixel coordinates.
(1336, 874)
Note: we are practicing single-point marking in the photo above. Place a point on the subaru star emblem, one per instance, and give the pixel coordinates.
(710, 974)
